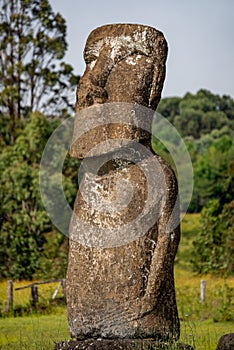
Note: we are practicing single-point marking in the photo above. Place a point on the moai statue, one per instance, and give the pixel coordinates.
(124, 232)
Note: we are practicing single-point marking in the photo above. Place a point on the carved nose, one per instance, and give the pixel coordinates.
(102, 66)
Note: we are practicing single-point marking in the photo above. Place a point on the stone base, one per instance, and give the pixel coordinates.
(226, 342)
(120, 344)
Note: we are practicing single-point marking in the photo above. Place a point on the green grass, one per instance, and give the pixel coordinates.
(37, 333)
(33, 332)
(204, 335)
(219, 303)
(202, 324)
(189, 229)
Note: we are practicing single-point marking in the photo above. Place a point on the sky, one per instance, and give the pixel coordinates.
(200, 36)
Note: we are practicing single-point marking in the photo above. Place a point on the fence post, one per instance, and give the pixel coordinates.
(63, 284)
(9, 305)
(34, 295)
(56, 290)
(203, 291)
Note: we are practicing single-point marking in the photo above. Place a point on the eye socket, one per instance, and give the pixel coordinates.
(90, 58)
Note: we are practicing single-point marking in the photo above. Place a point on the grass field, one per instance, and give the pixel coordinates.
(219, 302)
(33, 332)
(41, 332)
(201, 323)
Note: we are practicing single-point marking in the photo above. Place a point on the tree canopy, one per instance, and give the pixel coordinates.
(33, 75)
(205, 122)
(25, 227)
(37, 90)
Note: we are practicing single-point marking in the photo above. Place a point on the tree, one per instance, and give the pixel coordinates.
(169, 107)
(214, 120)
(23, 220)
(199, 114)
(205, 122)
(25, 228)
(214, 245)
(33, 78)
(189, 122)
(32, 73)
(212, 174)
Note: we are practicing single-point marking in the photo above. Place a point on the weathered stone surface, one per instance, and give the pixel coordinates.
(226, 342)
(123, 236)
(103, 124)
(124, 63)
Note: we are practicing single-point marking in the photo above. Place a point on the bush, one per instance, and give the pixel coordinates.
(214, 245)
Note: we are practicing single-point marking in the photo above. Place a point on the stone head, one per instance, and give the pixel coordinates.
(125, 65)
